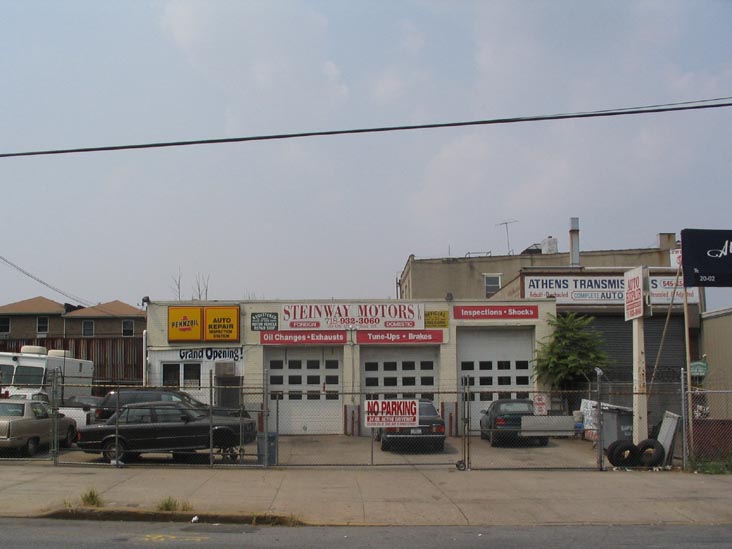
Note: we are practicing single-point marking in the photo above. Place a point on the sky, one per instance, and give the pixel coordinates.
(337, 217)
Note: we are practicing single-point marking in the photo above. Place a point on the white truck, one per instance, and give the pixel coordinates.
(29, 374)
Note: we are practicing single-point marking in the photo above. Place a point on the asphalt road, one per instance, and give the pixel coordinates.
(90, 534)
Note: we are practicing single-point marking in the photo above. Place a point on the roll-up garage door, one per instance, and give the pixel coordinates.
(618, 344)
(399, 372)
(305, 390)
(497, 364)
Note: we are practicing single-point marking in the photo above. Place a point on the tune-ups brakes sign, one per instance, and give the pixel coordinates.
(392, 413)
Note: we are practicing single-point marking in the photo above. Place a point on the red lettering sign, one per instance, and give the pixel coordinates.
(305, 337)
(399, 337)
(495, 312)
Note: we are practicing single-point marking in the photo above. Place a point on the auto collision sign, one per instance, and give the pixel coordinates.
(391, 413)
(352, 316)
(706, 257)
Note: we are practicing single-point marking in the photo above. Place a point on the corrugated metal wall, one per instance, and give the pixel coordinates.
(116, 359)
(716, 343)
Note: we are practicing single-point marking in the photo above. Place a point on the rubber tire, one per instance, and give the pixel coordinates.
(109, 450)
(385, 444)
(652, 453)
(543, 441)
(493, 438)
(625, 454)
(31, 447)
(612, 446)
(67, 441)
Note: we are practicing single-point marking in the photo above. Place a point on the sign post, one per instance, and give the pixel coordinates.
(634, 302)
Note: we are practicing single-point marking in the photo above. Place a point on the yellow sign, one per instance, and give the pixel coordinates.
(185, 323)
(221, 323)
(436, 319)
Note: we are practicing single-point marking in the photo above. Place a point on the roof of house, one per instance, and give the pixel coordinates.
(33, 306)
(112, 309)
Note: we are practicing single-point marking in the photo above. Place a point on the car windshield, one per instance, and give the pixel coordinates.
(29, 375)
(11, 409)
(427, 409)
(516, 407)
(6, 374)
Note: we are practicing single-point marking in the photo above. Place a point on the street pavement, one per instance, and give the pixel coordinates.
(410, 495)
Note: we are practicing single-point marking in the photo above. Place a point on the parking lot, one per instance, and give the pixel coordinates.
(340, 450)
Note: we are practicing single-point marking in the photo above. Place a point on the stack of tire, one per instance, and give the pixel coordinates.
(648, 453)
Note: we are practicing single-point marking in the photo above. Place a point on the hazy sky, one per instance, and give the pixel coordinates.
(338, 216)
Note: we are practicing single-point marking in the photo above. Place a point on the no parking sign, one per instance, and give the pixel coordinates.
(541, 404)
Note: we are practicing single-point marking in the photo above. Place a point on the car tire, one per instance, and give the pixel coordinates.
(625, 454)
(385, 445)
(611, 447)
(114, 451)
(651, 453)
(482, 434)
(543, 441)
(70, 437)
(31, 447)
(493, 438)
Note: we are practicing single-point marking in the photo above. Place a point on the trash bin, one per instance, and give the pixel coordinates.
(272, 449)
(617, 424)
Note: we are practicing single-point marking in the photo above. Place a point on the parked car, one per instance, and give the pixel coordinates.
(83, 401)
(109, 403)
(26, 425)
(29, 394)
(502, 421)
(158, 427)
(431, 431)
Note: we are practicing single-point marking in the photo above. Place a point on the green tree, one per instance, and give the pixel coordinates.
(571, 353)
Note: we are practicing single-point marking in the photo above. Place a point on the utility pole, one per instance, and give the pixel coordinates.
(508, 241)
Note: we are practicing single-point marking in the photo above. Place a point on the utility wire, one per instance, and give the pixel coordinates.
(654, 109)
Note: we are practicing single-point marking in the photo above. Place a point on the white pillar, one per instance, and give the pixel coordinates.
(640, 396)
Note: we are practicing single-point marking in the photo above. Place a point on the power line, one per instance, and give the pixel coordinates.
(653, 109)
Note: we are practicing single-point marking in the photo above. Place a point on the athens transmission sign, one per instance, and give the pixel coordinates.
(706, 257)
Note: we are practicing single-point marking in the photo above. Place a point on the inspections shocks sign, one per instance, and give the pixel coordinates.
(391, 413)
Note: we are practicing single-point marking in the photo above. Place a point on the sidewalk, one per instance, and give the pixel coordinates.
(383, 496)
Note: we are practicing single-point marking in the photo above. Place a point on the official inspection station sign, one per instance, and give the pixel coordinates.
(381, 414)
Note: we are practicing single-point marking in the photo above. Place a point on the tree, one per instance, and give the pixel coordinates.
(200, 289)
(175, 286)
(572, 352)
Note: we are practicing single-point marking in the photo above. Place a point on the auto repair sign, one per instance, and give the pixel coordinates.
(391, 413)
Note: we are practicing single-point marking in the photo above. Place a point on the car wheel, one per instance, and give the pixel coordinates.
(611, 447)
(31, 447)
(543, 441)
(625, 454)
(651, 452)
(114, 451)
(493, 438)
(385, 444)
(70, 437)
(482, 433)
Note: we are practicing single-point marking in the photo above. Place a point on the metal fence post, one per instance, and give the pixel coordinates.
(116, 430)
(54, 418)
(210, 418)
(265, 423)
(684, 450)
(600, 442)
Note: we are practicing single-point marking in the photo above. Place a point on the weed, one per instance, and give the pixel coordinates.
(91, 498)
(172, 504)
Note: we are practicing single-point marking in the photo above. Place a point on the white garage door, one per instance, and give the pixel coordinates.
(399, 372)
(305, 390)
(497, 364)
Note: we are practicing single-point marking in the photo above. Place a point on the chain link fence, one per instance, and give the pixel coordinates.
(223, 426)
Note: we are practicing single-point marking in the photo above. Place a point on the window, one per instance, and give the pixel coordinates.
(313, 380)
(522, 364)
(486, 381)
(169, 415)
(467, 365)
(128, 328)
(426, 365)
(492, 284)
(331, 380)
(504, 364)
(408, 365)
(522, 380)
(275, 364)
(42, 324)
(485, 365)
(390, 366)
(87, 328)
(29, 375)
(331, 364)
(313, 364)
(276, 380)
(504, 380)
(372, 382)
(294, 395)
(427, 381)
(192, 375)
(294, 364)
(313, 395)
(409, 381)
(4, 325)
(390, 382)
(294, 380)
(171, 375)
(331, 395)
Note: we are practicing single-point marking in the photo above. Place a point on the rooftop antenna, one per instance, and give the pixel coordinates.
(508, 240)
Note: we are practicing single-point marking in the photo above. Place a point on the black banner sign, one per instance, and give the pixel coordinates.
(706, 257)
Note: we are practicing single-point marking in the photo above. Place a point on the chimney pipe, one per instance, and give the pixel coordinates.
(574, 254)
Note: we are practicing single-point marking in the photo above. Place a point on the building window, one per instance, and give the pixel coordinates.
(492, 284)
(128, 328)
(4, 325)
(192, 375)
(87, 328)
(42, 324)
(171, 375)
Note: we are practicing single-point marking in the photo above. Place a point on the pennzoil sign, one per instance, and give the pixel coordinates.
(203, 323)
